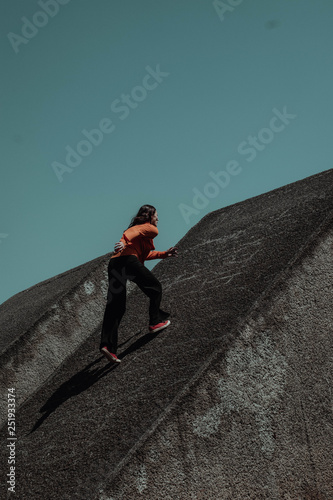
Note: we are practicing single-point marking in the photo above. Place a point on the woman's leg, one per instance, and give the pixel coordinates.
(150, 285)
(115, 306)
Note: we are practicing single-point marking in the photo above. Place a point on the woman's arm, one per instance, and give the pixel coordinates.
(154, 254)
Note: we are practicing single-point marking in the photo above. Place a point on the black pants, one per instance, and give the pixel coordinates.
(120, 270)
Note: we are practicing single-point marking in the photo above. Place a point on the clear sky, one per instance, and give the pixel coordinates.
(189, 105)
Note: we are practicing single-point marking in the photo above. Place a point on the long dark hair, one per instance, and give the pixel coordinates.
(144, 215)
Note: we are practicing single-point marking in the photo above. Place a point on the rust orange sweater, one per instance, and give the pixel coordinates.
(138, 241)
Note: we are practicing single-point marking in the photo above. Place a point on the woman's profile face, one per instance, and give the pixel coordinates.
(154, 219)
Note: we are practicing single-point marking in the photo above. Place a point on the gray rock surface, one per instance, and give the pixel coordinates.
(41, 326)
(233, 400)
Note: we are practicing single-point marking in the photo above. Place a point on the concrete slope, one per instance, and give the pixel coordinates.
(213, 406)
(43, 325)
(256, 421)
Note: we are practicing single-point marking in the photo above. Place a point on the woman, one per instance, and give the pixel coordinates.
(127, 262)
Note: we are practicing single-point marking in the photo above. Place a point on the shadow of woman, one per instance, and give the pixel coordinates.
(87, 377)
(80, 382)
(145, 339)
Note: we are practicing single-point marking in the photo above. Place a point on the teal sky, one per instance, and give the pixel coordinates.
(92, 65)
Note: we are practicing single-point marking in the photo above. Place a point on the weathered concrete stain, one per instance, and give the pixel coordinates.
(255, 379)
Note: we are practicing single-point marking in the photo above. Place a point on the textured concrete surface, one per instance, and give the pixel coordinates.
(41, 326)
(256, 422)
(233, 400)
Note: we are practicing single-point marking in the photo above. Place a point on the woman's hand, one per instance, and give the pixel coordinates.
(118, 246)
(172, 252)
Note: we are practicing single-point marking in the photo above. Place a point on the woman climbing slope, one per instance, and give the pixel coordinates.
(127, 263)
